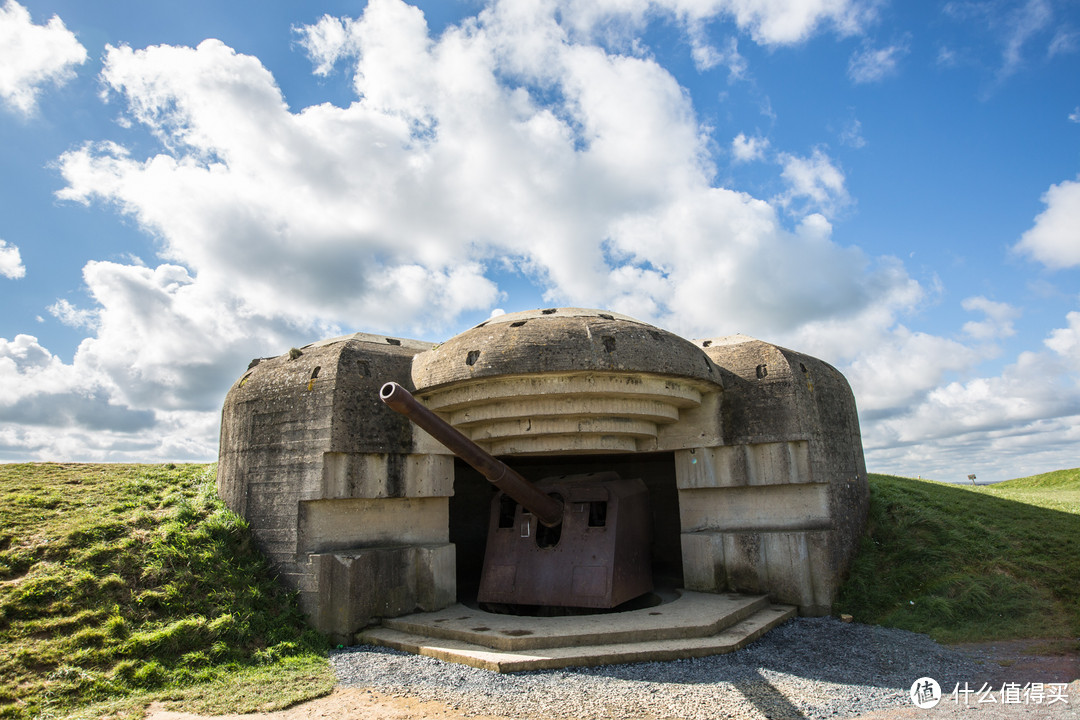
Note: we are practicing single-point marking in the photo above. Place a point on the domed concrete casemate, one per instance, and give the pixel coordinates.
(484, 499)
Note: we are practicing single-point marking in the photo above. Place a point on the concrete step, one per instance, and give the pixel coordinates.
(634, 636)
(688, 614)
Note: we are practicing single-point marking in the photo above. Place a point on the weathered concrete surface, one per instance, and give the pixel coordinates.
(693, 625)
(790, 423)
(308, 426)
(560, 340)
(350, 502)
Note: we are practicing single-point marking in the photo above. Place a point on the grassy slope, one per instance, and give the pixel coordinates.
(965, 563)
(133, 582)
(123, 583)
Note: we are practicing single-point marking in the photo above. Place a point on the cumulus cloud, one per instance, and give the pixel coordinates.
(392, 208)
(327, 41)
(1025, 418)
(38, 389)
(522, 139)
(32, 56)
(1065, 342)
(707, 55)
(998, 322)
(747, 149)
(999, 403)
(1055, 239)
(765, 21)
(11, 264)
(536, 139)
(72, 316)
(772, 23)
(815, 183)
(903, 368)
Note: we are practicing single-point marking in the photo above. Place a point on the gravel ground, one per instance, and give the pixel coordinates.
(809, 668)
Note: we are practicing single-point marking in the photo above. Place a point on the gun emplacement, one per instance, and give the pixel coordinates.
(548, 510)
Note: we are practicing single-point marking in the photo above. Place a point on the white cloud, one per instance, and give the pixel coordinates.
(776, 23)
(946, 57)
(1019, 422)
(1065, 342)
(526, 139)
(706, 55)
(1065, 42)
(904, 367)
(1019, 30)
(852, 135)
(814, 183)
(327, 41)
(33, 55)
(514, 139)
(535, 138)
(998, 322)
(37, 389)
(1055, 239)
(875, 64)
(766, 21)
(1074, 116)
(1023, 24)
(747, 149)
(11, 265)
(72, 316)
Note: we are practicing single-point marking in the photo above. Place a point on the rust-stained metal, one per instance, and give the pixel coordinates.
(580, 541)
(598, 558)
(546, 508)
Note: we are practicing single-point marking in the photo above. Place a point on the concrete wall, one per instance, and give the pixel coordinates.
(779, 507)
(350, 502)
(345, 509)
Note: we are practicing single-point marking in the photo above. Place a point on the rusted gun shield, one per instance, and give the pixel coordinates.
(598, 557)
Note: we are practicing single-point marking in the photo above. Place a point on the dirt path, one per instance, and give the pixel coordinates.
(341, 704)
(1013, 661)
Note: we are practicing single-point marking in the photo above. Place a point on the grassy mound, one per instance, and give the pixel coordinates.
(135, 582)
(966, 563)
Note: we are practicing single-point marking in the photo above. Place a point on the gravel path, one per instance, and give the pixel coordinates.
(809, 668)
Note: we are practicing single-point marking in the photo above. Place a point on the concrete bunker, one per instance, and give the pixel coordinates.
(751, 453)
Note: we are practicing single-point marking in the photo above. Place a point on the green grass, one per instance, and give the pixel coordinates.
(968, 564)
(122, 584)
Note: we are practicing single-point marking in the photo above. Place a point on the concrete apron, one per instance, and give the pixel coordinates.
(691, 625)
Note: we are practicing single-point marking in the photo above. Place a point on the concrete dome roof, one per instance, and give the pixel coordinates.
(561, 340)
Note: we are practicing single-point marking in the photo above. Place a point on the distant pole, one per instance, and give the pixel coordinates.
(972, 478)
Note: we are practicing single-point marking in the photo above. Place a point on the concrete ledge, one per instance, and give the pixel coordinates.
(776, 463)
(766, 508)
(691, 615)
(730, 639)
(337, 525)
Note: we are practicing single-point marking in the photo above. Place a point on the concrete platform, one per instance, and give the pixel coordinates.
(690, 625)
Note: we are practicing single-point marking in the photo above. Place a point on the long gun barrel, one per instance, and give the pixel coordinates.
(547, 509)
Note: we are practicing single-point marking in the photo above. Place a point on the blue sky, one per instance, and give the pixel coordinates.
(892, 187)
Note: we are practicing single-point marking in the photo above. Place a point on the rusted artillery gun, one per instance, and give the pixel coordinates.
(579, 541)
